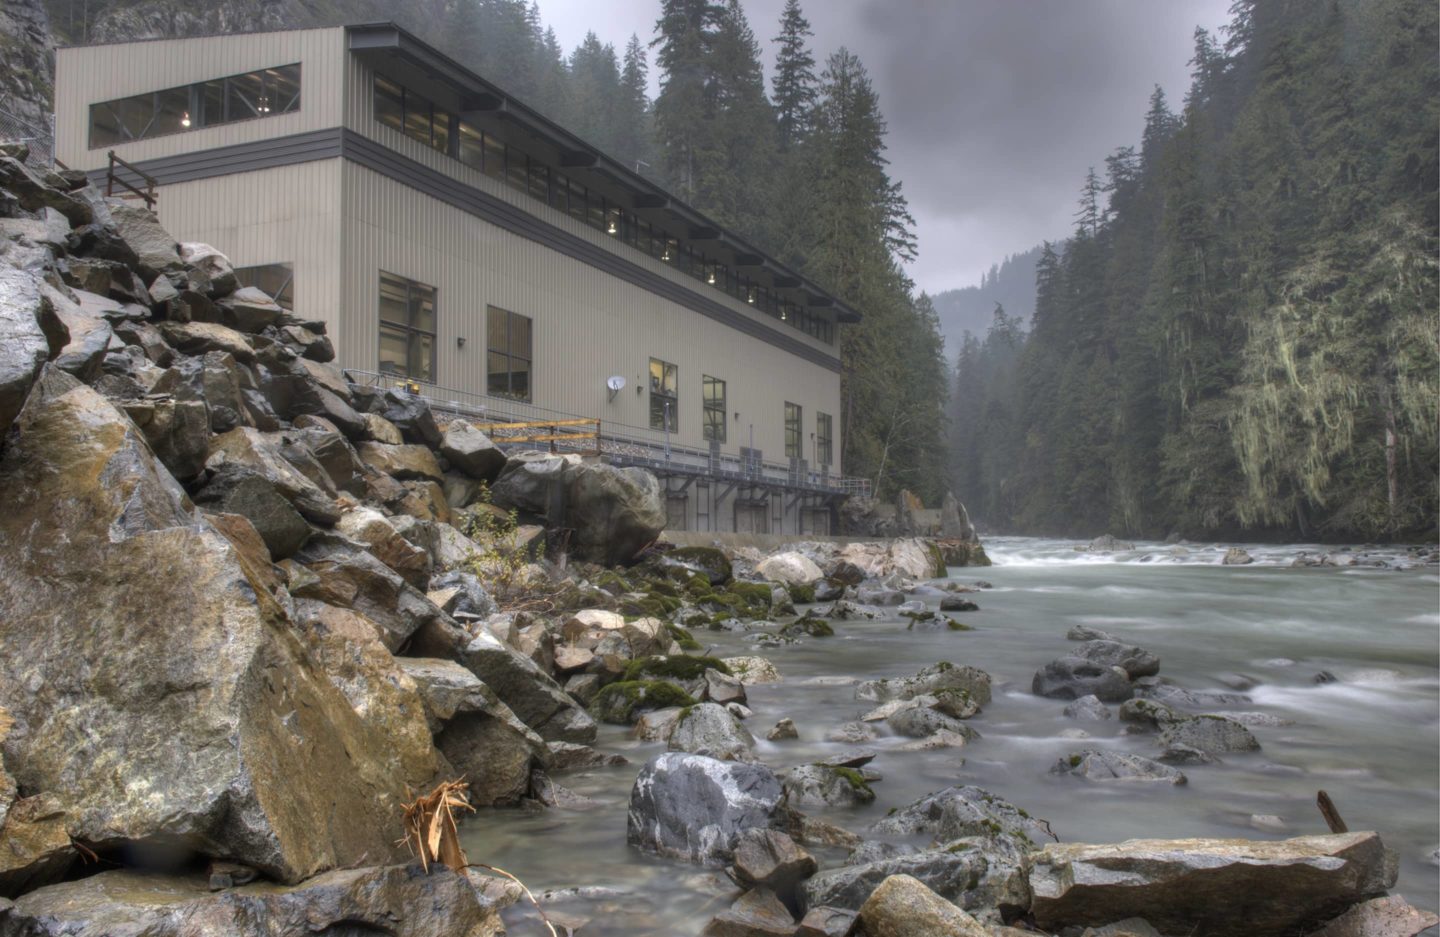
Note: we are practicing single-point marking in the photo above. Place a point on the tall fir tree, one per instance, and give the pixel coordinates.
(794, 83)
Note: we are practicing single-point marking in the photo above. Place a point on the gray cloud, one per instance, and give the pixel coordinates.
(996, 107)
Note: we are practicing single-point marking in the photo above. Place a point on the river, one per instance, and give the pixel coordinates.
(1370, 738)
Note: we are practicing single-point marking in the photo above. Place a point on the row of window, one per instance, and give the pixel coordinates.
(665, 409)
(264, 93)
(421, 119)
(408, 314)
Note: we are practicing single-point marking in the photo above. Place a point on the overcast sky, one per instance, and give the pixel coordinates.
(996, 107)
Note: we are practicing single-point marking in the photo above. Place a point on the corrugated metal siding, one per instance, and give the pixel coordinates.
(90, 74)
(290, 214)
(359, 117)
(587, 325)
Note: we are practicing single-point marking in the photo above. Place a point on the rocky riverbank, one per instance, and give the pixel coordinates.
(248, 609)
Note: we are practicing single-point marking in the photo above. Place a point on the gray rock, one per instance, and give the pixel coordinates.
(1106, 543)
(757, 913)
(1181, 698)
(1269, 889)
(694, 808)
(470, 600)
(199, 338)
(710, 729)
(1135, 661)
(961, 812)
(532, 694)
(154, 248)
(1089, 709)
(35, 194)
(236, 489)
(395, 900)
(723, 688)
(784, 729)
(920, 722)
(770, 859)
(1149, 713)
(471, 451)
(614, 512)
(1074, 677)
(1391, 916)
(405, 462)
(30, 333)
(235, 723)
(1213, 735)
(1236, 557)
(250, 309)
(821, 785)
(941, 676)
(347, 575)
(178, 431)
(965, 873)
(410, 413)
(1184, 755)
(1099, 765)
(1086, 633)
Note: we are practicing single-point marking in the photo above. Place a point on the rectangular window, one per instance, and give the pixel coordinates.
(389, 104)
(407, 328)
(508, 360)
(264, 93)
(277, 280)
(714, 413)
(794, 426)
(412, 114)
(824, 439)
(664, 395)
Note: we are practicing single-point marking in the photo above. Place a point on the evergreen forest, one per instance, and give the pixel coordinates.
(1240, 334)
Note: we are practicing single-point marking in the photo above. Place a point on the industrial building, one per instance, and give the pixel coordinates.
(456, 241)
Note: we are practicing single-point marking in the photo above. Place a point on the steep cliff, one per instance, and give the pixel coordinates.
(27, 63)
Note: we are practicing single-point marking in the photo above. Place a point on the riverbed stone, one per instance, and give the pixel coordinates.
(399, 900)
(1100, 765)
(1219, 887)
(1135, 661)
(958, 812)
(903, 906)
(1213, 735)
(757, 913)
(235, 723)
(783, 731)
(1148, 713)
(693, 807)
(826, 922)
(941, 676)
(710, 729)
(1073, 677)
(824, 785)
(1391, 916)
(948, 873)
(791, 567)
(1088, 709)
(770, 859)
(920, 722)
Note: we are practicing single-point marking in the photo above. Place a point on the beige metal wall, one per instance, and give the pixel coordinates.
(587, 325)
(88, 74)
(290, 214)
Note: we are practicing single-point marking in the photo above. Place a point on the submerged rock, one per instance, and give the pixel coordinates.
(710, 729)
(1217, 887)
(1135, 661)
(1090, 709)
(694, 808)
(1213, 735)
(931, 680)
(1074, 677)
(823, 785)
(1096, 765)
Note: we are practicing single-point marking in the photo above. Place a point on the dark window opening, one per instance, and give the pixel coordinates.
(276, 280)
(664, 395)
(794, 448)
(407, 328)
(824, 439)
(508, 356)
(265, 93)
(715, 408)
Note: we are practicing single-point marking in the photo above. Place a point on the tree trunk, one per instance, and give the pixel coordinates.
(1392, 478)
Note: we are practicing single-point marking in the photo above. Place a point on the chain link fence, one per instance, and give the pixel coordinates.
(41, 140)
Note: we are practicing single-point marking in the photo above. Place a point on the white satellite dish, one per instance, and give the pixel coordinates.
(615, 383)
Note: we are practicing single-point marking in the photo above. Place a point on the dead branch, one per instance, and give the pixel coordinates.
(525, 888)
(1331, 815)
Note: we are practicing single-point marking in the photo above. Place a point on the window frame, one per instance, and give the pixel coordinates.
(794, 431)
(510, 355)
(669, 377)
(714, 409)
(413, 333)
(824, 438)
(195, 107)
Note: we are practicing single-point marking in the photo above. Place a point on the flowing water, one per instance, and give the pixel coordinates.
(1371, 738)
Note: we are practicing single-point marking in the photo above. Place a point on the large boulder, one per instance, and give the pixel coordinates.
(408, 461)
(178, 431)
(1135, 661)
(822, 785)
(1217, 887)
(536, 698)
(398, 901)
(263, 454)
(30, 333)
(1213, 735)
(710, 729)
(949, 873)
(791, 568)
(913, 558)
(614, 512)
(955, 520)
(694, 808)
(471, 451)
(1100, 765)
(1071, 678)
(236, 489)
(410, 413)
(378, 533)
(345, 574)
(153, 246)
(533, 482)
(767, 858)
(157, 688)
(477, 733)
(903, 907)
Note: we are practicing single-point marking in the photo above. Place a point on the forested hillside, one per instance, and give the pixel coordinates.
(794, 164)
(1009, 284)
(1242, 333)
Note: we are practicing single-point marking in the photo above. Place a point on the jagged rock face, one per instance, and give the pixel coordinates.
(396, 900)
(156, 687)
(903, 907)
(24, 345)
(27, 80)
(1220, 887)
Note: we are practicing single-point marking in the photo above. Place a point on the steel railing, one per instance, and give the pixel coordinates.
(621, 443)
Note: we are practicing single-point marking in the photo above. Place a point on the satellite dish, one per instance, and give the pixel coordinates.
(615, 383)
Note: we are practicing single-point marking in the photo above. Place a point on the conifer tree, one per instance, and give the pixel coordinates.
(794, 83)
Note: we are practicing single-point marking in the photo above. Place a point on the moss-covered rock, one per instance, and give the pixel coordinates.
(621, 703)
(684, 638)
(708, 561)
(754, 597)
(814, 627)
(802, 594)
(680, 668)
